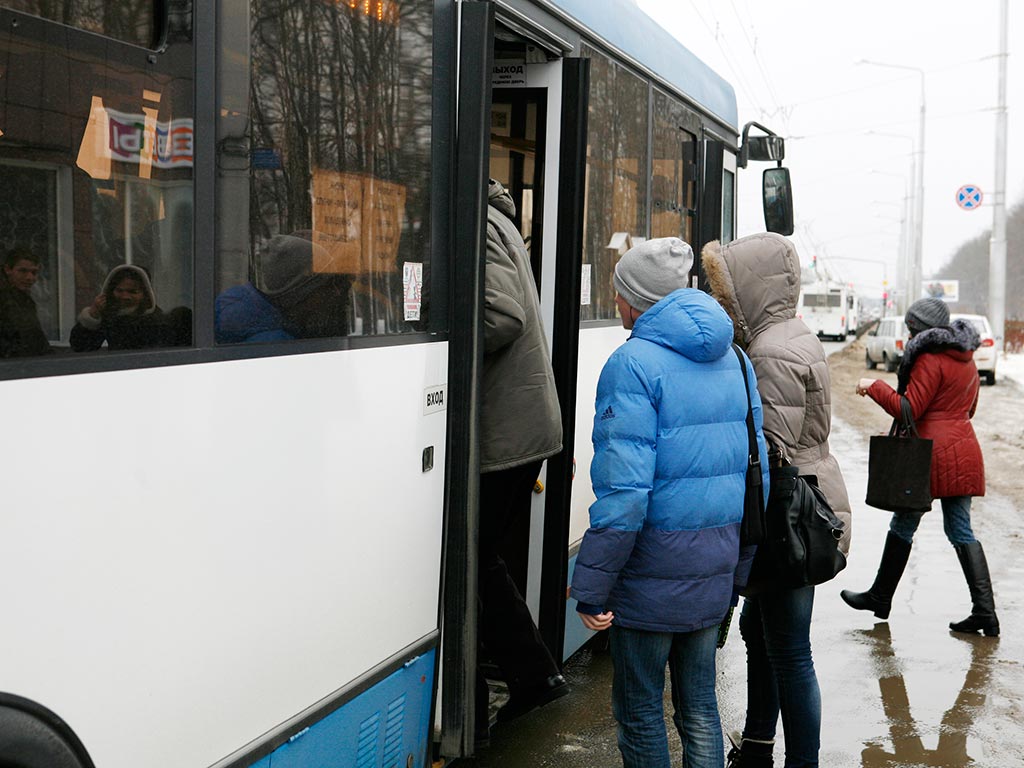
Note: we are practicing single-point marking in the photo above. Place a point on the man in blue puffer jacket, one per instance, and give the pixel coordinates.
(661, 560)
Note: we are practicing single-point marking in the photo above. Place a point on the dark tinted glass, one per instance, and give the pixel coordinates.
(324, 139)
(96, 161)
(617, 172)
(133, 21)
(674, 178)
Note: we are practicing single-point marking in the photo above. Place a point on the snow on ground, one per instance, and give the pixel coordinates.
(1011, 367)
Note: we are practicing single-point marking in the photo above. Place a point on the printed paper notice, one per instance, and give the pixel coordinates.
(508, 73)
(357, 222)
(585, 285)
(412, 285)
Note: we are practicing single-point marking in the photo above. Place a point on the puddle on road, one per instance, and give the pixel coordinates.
(906, 693)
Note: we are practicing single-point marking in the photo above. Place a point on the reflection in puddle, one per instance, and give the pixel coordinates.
(908, 749)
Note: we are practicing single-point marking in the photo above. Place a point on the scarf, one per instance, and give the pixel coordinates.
(959, 334)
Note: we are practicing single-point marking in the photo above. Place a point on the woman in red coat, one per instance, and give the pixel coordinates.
(939, 379)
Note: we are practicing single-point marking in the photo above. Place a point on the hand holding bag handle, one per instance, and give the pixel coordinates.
(904, 426)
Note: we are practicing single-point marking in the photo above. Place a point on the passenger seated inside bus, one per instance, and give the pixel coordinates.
(21, 334)
(125, 315)
(286, 299)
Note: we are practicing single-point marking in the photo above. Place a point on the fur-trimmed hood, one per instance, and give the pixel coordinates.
(756, 279)
(959, 338)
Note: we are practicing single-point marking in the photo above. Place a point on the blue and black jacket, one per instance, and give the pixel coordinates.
(669, 472)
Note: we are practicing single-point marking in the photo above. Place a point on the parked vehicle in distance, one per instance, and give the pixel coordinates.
(986, 355)
(885, 343)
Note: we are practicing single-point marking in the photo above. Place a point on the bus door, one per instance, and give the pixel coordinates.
(537, 151)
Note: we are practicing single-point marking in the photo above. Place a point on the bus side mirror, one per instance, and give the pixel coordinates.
(777, 195)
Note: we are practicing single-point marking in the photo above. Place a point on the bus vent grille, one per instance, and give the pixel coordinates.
(366, 757)
(393, 730)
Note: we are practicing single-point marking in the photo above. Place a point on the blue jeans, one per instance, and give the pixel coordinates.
(776, 628)
(956, 521)
(638, 689)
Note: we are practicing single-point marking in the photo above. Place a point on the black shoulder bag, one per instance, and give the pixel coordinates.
(802, 543)
(900, 466)
(752, 529)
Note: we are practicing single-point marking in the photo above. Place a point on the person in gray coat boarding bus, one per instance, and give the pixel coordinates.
(757, 280)
(661, 562)
(520, 425)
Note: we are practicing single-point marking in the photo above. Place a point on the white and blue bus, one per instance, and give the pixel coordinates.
(245, 536)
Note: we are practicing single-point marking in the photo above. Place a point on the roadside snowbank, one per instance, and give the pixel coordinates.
(1011, 367)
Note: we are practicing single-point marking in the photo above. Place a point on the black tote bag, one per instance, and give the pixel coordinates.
(900, 467)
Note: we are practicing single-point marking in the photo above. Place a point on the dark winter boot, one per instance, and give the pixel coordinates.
(878, 599)
(749, 753)
(983, 608)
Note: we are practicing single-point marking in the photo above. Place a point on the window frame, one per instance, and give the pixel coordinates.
(204, 185)
(696, 122)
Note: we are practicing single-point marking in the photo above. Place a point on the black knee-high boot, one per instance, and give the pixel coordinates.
(983, 604)
(749, 753)
(878, 599)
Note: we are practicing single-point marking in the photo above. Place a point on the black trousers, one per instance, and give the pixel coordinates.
(506, 628)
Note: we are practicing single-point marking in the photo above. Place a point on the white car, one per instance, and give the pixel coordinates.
(884, 344)
(986, 355)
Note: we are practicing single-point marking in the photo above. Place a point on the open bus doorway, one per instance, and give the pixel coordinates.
(517, 161)
(529, 131)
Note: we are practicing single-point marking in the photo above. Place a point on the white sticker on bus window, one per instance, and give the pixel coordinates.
(507, 73)
(412, 288)
(585, 285)
(435, 399)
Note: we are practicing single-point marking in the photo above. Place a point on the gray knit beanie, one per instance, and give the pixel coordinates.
(927, 313)
(286, 273)
(649, 272)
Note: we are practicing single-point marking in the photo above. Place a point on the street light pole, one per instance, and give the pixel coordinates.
(997, 245)
(914, 287)
(903, 265)
(903, 253)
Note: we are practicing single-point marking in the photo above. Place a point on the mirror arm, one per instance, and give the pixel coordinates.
(744, 154)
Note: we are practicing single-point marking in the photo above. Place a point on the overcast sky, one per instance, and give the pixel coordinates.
(794, 65)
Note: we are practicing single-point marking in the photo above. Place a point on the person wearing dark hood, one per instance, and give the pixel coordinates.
(125, 316)
(757, 281)
(937, 376)
(661, 561)
(21, 334)
(287, 299)
(520, 426)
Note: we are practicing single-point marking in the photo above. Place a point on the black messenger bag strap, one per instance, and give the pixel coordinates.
(754, 482)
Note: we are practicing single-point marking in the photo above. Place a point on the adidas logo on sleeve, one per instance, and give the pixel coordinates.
(608, 414)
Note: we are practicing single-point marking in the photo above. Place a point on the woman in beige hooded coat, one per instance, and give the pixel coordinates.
(757, 281)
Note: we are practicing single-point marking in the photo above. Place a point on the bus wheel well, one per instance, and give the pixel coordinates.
(31, 736)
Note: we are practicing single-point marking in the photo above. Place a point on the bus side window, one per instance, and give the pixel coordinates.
(324, 135)
(97, 163)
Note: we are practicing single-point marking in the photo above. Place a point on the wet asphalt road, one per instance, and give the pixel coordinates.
(905, 693)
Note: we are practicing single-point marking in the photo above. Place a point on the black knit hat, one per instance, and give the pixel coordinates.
(927, 313)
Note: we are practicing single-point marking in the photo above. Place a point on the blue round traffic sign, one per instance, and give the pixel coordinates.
(969, 197)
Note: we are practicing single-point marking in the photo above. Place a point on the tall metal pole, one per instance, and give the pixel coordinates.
(997, 245)
(900, 290)
(914, 284)
(915, 273)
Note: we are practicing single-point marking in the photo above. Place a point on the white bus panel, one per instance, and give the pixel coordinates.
(184, 549)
